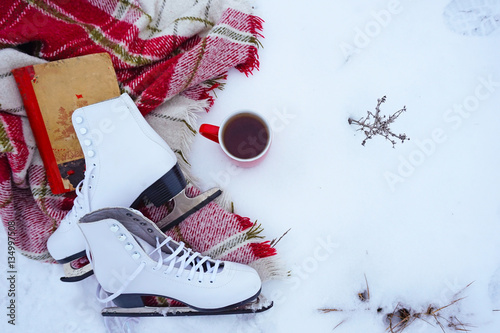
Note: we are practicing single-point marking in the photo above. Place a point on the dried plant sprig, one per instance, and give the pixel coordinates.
(275, 241)
(330, 310)
(343, 321)
(376, 124)
(401, 316)
(365, 295)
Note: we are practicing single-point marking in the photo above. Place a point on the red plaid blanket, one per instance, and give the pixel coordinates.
(163, 51)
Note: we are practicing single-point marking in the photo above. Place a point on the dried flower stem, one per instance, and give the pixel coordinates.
(376, 124)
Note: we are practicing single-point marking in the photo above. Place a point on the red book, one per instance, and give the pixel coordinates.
(50, 93)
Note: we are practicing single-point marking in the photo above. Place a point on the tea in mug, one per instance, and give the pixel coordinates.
(245, 136)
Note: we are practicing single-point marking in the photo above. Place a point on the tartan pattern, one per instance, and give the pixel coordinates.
(169, 55)
(181, 53)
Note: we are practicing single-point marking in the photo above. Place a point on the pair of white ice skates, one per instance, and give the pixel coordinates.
(126, 162)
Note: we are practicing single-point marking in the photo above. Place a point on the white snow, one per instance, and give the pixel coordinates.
(420, 221)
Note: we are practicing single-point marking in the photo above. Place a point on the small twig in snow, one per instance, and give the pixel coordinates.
(375, 124)
(276, 241)
(365, 295)
(343, 321)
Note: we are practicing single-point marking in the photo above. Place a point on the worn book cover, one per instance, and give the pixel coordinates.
(50, 93)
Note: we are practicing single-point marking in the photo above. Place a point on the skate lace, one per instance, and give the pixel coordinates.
(181, 258)
(81, 204)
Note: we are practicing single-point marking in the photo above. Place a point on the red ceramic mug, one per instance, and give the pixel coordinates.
(244, 136)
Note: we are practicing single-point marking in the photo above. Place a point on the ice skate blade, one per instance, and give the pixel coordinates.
(260, 304)
(76, 274)
(71, 258)
(185, 206)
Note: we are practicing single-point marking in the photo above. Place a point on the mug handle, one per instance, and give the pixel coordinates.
(210, 132)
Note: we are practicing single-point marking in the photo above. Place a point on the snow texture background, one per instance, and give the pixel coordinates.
(420, 221)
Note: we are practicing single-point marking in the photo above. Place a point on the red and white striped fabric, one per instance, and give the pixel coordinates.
(169, 56)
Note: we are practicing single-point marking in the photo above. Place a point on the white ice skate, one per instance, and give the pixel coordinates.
(126, 161)
(133, 258)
